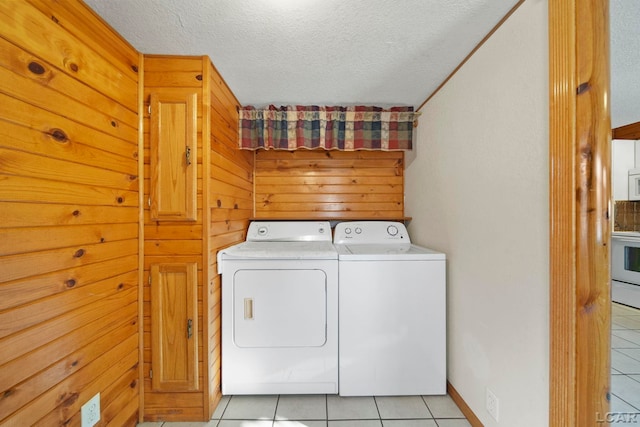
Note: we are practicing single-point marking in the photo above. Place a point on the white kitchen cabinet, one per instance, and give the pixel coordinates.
(637, 153)
(624, 156)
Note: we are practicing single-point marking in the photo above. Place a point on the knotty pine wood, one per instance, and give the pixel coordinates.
(68, 216)
(579, 150)
(329, 185)
(173, 241)
(174, 157)
(224, 206)
(229, 193)
(174, 327)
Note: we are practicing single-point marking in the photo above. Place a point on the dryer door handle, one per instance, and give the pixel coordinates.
(248, 309)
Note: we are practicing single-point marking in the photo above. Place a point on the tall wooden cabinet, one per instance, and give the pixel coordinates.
(199, 198)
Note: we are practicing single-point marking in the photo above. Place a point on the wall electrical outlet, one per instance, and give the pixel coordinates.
(492, 404)
(90, 412)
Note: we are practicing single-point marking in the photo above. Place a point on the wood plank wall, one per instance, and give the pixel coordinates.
(329, 185)
(230, 196)
(68, 216)
(171, 241)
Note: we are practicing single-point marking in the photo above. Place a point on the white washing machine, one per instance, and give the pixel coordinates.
(280, 310)
(392, 311)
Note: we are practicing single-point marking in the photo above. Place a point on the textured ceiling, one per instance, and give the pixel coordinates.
(345, 52)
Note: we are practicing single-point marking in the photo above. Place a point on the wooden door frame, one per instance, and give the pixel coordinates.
(579, 163)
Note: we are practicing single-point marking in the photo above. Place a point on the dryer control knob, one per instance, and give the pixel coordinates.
(262, 231)
(347, 231)
(358, 230)
(392, 230)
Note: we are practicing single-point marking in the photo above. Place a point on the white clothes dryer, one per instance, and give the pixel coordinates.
(392, 312)
(280, 310)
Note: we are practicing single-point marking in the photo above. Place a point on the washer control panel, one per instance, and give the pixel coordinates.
(371, 232)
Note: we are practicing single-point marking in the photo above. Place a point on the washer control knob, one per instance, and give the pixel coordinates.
(262, 231)
(392, 230)
(358, 230)
(321, 230)
(347, 231)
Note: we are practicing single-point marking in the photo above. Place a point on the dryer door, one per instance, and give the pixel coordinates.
(280, 308)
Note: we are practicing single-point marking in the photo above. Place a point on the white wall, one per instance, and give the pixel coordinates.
(477, 189)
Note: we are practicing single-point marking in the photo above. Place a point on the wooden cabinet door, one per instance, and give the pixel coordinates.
(173, 133)
(174, 327)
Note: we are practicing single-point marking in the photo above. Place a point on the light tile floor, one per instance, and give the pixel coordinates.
(625, 362)
(416, 411)
(331, 411)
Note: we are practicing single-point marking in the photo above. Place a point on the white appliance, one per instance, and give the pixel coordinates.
(280, 310)
(634, 184)
(625, 268)
(392, 312)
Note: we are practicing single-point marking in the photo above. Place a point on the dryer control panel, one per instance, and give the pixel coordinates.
(289, 231)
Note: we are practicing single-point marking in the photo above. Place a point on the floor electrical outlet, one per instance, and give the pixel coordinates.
(90, 412)
(492, 404)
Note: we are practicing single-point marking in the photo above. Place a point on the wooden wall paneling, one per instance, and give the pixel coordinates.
(85, 24)
(329, 185)
(68, 238)
(230, 196)
(76, 54)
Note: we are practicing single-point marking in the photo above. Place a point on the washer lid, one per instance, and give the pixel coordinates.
(279, 251)
(395, 252)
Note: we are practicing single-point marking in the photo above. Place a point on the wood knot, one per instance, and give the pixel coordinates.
(59, 135)
(219, 203)
(235, 206)
(199, 77)
(133, 177)
(134, 68)
(7, 393)
(135, 154)
(583, 88)
(79, 253)
(121, 286)
(54, 19)
(114, 123)
(36, 68)
(73, 67)
(133, 383)
(75, 213)
(70, 283)
(74, 363)
(102, 240)
(120, 199)
(68, 401)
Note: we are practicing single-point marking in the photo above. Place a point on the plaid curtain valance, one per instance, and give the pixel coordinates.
(331, 128)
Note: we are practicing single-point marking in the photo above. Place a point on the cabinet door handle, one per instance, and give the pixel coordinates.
(189, 328)
(187, 155)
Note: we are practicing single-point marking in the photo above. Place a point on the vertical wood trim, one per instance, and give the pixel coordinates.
(141, 204)
(579, 136)
(207, 275)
